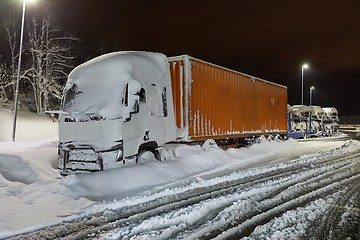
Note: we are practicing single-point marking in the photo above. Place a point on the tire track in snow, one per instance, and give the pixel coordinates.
(333, 224)
(271, 209)
(277, 188)
(264, 202)
(326, 175)
(315, 173)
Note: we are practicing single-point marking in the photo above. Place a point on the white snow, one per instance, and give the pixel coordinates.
(123, 70)
(25, 126)
(294, 221)
(33, 194)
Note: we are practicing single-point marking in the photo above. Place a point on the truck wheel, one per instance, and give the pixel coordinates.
(142, 155)
(149, 147)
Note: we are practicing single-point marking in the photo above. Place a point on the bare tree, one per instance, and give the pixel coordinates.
(47, 60)
(4, 80)
(50, 63)
(9, 65)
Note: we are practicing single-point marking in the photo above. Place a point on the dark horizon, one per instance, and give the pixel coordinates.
(268, 40)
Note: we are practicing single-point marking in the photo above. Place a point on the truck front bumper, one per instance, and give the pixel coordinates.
(84, 158)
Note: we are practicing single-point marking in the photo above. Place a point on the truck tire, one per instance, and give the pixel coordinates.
(148, 147)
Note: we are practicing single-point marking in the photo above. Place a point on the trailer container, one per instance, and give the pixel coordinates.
(211, 101)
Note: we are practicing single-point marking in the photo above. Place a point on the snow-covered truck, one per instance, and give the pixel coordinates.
(119, 105)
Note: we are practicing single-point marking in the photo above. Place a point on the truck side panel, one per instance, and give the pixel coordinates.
(215, 102)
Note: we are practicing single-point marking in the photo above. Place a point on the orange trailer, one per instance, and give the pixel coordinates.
(213, 102)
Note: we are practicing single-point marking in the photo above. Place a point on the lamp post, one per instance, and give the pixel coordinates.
(311, 90)
(305, 66)
(18, 70)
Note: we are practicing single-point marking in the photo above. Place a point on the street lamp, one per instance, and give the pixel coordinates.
(18, 70)
(311, 90)
(305, 66)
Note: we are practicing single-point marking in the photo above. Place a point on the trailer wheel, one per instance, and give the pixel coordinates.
(270, 138)
(278, 138)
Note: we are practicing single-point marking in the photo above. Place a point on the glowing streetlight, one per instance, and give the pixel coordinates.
(311, 90)
(18, 70)
(305, 66)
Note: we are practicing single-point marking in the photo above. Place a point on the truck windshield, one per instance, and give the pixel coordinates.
(67, 98)
(69, 95)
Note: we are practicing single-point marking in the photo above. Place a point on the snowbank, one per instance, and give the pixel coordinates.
(30, 185)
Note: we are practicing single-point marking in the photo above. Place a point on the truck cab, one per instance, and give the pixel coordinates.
(114, 108)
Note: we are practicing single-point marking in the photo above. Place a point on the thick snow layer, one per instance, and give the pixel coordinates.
(98, 87)
(33, 193)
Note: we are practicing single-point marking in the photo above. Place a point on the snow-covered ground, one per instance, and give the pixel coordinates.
(34, 195)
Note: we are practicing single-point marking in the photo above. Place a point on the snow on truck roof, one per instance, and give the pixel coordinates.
(98, 85)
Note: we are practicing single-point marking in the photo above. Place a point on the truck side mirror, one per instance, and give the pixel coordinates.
(132, 96)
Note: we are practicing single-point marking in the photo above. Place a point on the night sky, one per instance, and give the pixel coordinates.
(267, 39)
